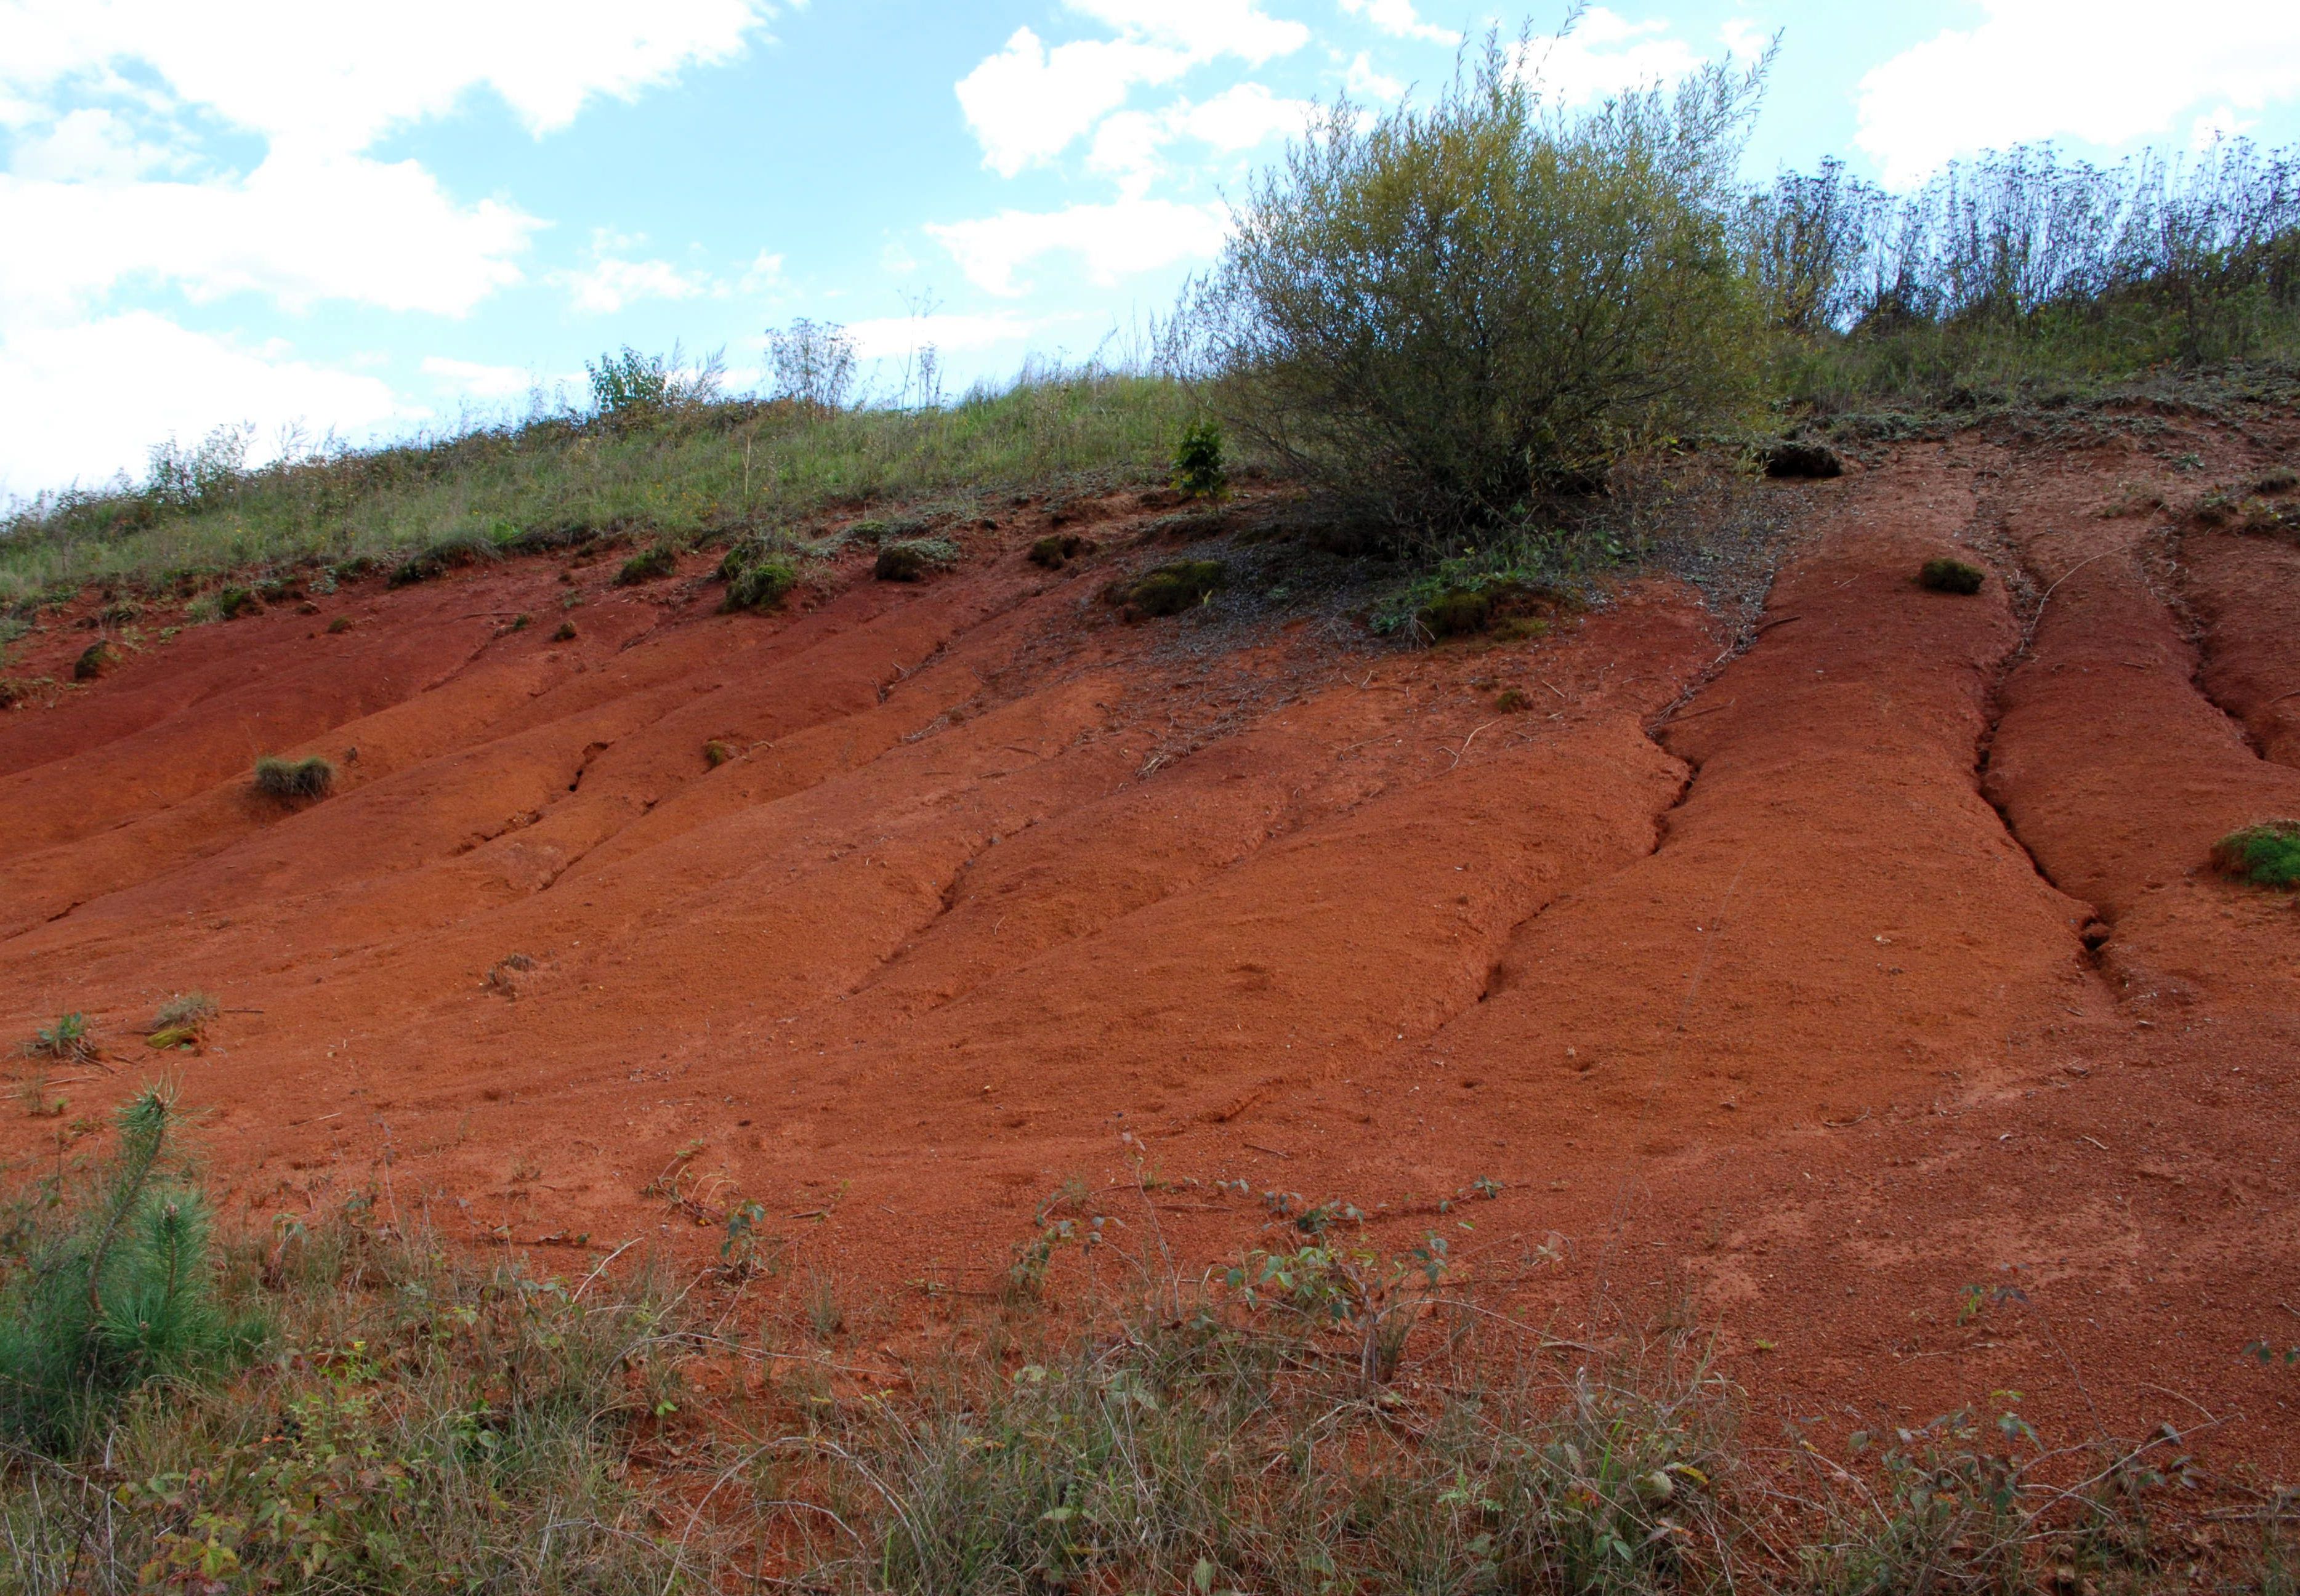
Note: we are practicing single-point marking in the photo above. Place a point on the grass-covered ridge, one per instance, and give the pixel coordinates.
(684, 472)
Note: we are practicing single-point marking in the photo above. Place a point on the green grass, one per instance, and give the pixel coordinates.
(2267, 854)
(702, 470)
(292, 781)
(349, 1402)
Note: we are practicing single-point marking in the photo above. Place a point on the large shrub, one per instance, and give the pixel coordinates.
(1440, 313)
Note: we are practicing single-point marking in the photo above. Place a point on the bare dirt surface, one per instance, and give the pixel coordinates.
(1863, 990)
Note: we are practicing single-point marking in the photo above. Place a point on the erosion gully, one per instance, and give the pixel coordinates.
(1805, 991)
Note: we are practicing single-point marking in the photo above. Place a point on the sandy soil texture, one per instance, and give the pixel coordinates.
(1864, 989)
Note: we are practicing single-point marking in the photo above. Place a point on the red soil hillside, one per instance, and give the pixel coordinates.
(1816, 983)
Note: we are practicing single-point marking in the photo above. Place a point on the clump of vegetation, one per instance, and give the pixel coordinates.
(1057, 549)
(648, 565)
(293, 781)
(1437, 313)
(1802, 459)
(565, 633)
(95, 661)
(910, 559)
(65, 1039)
(2267, 854)
(443, 1424)
(114, 1289)
(716, 752)
(634, 388)
(1946, 575)
(341, 624)
(758, 574)
(184, 1018)
(1512, 700)
(1455, 614)
(455, 553)
(1198, 468)
(1170, 589)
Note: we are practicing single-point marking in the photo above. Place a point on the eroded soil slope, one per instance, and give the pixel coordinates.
(1817, 977)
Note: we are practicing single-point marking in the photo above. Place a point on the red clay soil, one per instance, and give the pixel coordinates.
(1816, 983)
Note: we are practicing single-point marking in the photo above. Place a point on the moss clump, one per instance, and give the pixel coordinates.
(912, 558)
(1057, 549)
(99, 658)
(761, 586)
(1170, 589)
(2267, 854)
(1456, 613)
(648, 565)
(291, 781)
(1944, 574)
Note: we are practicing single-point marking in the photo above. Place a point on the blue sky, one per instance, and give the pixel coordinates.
(376, 219)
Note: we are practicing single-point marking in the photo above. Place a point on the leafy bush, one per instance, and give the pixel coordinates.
(293, 780)
(1439, 314)
(1198, 461)
(2267, 854)
(907, 559)
(1170, 589)
(1944, 574)
(648, 565)
(635, 388)
(113, 1290)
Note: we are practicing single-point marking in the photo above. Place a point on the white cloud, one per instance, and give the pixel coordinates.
(337, 77)
(2107, 72)
(479, 381)
(1129, 235)
(1128, 145)
(1027, 102)
(610, 283)
(80, 403)
(1607, 54)
(762, 273)
(89, 144)
(901, 334)
(1366, 83)
(299, 229)
(1399, 18)
(1202, 29)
